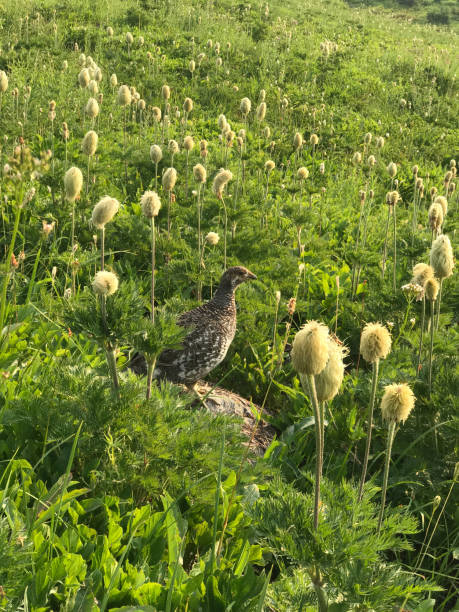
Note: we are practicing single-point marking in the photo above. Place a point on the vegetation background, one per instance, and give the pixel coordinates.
(109, 501)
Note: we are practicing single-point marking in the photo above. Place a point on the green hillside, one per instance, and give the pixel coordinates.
(145, 147)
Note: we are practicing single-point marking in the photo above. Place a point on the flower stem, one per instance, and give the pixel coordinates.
(319, 449)
(369, 426)
(390, 440)
(432, 329)
(421, 334)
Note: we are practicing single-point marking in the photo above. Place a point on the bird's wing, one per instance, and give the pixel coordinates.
(192, 317)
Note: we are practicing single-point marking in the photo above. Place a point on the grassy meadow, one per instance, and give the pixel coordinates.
(336, 124)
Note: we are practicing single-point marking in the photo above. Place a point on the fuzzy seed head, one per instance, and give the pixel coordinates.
(269, 166)
(261, 111)
(165, 92)
(357, 158)
(431, 289)
(212, 238)
(89, 144)
(221, 179)
(169, 179)
(421, 273)
(245, 106)
(124, 96)
(92, 108)
(329, 380)
(113, 80)
(156, 153)
(104, 211)
(3, 81)
(371, 161)
(443, 203)
(392, 169)
(129, 38)
(188, 105)
(297, 141)
(83, 78)
(314, 140)
(397, 403)
(375, 342)
(303, 173)
(73, 182)
(173, 147)
(266, 132)
(367, 138)
(192, 66)
(310, 348)
(221, 122)
(200, 173)
(441, 257)
(380, 142)
(156, 112)
(105, 283)
(150, 203)
(435, 216)
(188, 143)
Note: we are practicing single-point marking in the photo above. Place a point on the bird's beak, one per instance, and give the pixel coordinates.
(251, 276)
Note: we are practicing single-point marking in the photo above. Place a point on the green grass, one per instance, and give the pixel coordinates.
(117, 503)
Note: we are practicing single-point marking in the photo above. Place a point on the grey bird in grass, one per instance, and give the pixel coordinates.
(212, 329)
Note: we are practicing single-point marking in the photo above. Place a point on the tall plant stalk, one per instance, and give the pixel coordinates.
(390, 440)
(374, 383)
(8, 262)
(432, 329)
(421, 334)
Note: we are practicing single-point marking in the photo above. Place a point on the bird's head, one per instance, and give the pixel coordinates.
(235, 276)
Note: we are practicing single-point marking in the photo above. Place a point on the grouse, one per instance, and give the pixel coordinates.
(212, 329)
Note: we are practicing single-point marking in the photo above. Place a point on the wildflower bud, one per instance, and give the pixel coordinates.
(291, 306)
(421, 272)
(397, 403)
(156, 153)
(261, 111)
(192, 66)
(113, 80)
(89, 144)
(357, 158)
(310, 348)
(314, 140)
(129, 38)
(200, 173)
(372, 161)
(3, 81)
(150, 203)
(73, 182)
(109, 31)
(415, 170)
(435, 216)
(105, 283)
(302, 173)
(266, 132)
(443, 203)
(436, 502)
(328, 382)
(245, 106)
(188, 143)
(431, 289)
(188, 105)
(380, 142)
(104, 211)
(169, 179)
(277, 296)
(124, 96)
(92, 108)
(392, 169)
(220, 181)
(375, 342)
(367, 138)
(441, 257)
(212, 238)
(83, 78)
(297, 141)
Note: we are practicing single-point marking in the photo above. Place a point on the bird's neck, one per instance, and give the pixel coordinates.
(224, 296)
